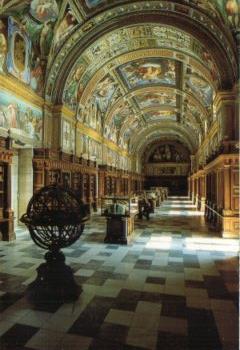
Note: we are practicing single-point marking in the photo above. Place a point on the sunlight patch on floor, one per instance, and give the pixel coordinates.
(212, 244)
(162, 242)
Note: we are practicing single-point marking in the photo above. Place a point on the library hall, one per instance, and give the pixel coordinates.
(119, 174)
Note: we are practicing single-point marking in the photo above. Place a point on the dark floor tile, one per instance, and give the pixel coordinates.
(169, 341)
(8, 299)
(156, 280)
(91, 319)
(191, 261)
(18, 335)
(144, 262)
(175, 254)
(127, 300)
(119, 276)
(202, 330)
(158, 268)
(151, 297)
(113, 331)
(102, 274)
(194, 284)
(80, 279)
(173, 306)
(175, 267)
(104, 254)
(75, 267)
(99, 344)
(93, 264)
(96, 281)
(216, 288)
(46, 306)
(106, 268)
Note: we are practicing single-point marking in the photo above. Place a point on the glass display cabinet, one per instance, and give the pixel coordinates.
(119, 213)
(115, 206)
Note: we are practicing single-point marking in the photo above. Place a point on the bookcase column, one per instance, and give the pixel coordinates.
(25, 179)
(9, 233)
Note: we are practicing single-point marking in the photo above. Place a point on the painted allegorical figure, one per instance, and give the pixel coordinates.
(44, 10)
(12, 111)
(3, 45)
(37, 75)
(73, 90)
(19, 52)
(65, 26)
(46, 38)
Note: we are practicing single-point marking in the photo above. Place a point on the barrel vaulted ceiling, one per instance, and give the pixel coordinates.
(136, 71)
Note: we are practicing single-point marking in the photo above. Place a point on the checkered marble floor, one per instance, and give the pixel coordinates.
(174, 287)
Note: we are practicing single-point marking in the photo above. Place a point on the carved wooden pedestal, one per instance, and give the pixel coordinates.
(119, 228)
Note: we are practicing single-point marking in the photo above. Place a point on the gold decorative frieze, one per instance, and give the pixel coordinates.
(15, 87)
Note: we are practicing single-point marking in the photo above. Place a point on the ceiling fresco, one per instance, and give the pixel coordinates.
(122, 71)
(199, 86)
(156, 100)
(154, 116)
(154, 87)
(144, 71)
(148, 72)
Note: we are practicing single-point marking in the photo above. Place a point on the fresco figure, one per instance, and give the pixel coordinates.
(148, 71)
(12, 112)
(201, 88)
(19, 49)
(65, 26)
(37, 73)
(73, 89)
(155, 99)
(19, 52)
(168, 154)
(3, 46)
(3, 118)
(46, 38)
(104, 92)
(44, 10)
(103, 96)
(17, 115)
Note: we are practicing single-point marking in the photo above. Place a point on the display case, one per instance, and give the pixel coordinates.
(120, 213)
(114, 206)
